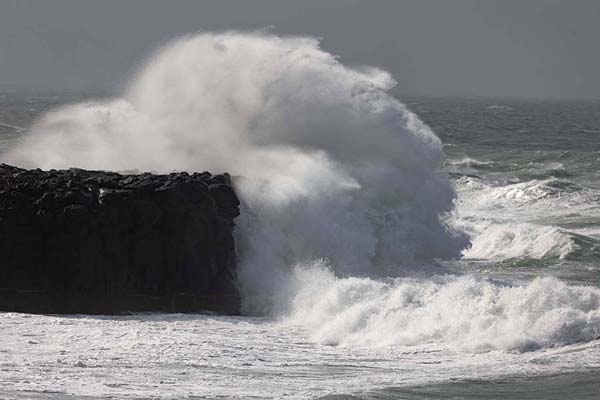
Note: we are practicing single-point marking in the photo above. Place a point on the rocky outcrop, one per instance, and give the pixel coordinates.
(77, 241)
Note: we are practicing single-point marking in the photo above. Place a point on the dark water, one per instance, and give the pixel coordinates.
(583, 385)
(524, 139)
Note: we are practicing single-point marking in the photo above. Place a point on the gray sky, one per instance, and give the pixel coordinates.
(506, 48)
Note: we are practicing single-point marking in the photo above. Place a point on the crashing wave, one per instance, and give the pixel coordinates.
(465, 313)
(331, 166)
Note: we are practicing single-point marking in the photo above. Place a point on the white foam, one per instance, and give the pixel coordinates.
(464, 313)
(498, 107)
(180, 356)
(534, 198)
(469, 162)
(510, 221)
(501, 240)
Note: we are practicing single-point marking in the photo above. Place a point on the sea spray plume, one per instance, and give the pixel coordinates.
(329, 164)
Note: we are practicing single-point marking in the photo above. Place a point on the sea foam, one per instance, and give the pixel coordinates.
(460, 313)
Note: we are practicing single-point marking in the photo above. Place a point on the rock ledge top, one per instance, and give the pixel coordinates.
(79, 241)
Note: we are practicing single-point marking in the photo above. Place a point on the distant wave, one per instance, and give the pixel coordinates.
(498, 107)
(15, 128)
(470, 162)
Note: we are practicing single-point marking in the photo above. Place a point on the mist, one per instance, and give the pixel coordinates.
(539, 49)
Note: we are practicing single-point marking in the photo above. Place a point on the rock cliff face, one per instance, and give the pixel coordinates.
(76, 241)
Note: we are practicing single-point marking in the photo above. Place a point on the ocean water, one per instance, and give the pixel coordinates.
(526, 174)
(401, 266)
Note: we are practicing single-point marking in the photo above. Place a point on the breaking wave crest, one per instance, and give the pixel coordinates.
(497, 240)
(508, 221)
(463, 313)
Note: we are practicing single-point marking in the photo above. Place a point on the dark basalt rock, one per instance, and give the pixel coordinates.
(77, 241)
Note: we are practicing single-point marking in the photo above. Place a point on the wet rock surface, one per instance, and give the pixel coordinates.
(77, 241)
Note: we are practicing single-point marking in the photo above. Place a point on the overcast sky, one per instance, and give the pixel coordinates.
(520, 48)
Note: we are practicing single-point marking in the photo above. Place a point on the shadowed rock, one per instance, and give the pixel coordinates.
(77, 241)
